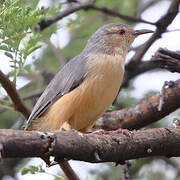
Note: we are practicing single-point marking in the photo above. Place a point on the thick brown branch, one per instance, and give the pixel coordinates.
(143, 113)
(112, 147)
(14, 95)
(161, 25)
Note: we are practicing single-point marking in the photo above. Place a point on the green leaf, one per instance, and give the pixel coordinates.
(32, 49)
(8, 55)
(4, 47)
(33, 169)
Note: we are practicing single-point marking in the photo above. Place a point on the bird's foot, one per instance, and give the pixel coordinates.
(125, 132)
(100, 132)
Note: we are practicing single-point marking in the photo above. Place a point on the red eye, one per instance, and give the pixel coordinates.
(121, 32)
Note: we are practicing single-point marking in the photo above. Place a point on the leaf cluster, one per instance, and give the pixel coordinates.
(39, 169)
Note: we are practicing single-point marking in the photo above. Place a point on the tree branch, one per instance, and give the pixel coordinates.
(78, 6)
(143, 113)
(112, 147)
(163, 58)
(167, 59)
(161, 25)
(7, 167)
(88, 4)
(10, 88)
(116, 14)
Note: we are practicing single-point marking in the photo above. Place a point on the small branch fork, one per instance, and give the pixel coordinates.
(161, 26)
(112, 147)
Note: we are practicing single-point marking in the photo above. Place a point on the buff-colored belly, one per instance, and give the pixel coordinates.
(81, 107)
(99, 97)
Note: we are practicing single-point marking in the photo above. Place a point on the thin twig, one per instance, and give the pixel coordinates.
(122, 16)
(125, 175)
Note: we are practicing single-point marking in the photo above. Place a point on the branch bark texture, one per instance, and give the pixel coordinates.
(112, 147)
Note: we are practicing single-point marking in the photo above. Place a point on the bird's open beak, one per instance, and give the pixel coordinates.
(142, 31)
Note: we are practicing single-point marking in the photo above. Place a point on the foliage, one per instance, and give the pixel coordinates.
(17, 37)
(39, 169)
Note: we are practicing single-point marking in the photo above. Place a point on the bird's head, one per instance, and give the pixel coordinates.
(114, 38)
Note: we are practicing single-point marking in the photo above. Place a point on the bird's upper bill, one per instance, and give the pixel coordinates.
(142, 31)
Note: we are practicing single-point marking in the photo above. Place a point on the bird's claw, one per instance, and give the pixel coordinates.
(125, 132)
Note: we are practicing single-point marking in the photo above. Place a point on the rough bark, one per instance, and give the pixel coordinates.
(111, 147)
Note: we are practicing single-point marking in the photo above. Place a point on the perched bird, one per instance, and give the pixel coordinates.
(84, 88)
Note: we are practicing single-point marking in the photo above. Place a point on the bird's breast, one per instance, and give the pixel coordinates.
(105, 74)
(99, 89)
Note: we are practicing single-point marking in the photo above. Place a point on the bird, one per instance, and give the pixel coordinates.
(87, 85)
(84, 88)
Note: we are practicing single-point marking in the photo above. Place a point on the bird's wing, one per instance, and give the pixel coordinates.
(68, 78)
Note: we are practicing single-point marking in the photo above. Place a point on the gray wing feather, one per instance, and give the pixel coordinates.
(68, 78)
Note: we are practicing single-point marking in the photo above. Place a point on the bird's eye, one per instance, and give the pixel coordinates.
(121, 32)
